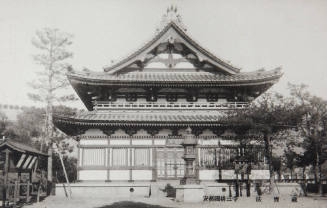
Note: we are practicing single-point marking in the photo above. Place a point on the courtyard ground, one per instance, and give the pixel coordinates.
(163, 202)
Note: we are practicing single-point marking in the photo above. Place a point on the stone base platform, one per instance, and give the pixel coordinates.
(190, 193)
(102, 189)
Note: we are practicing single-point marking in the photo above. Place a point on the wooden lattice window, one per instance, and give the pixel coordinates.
(94, 157)
(142, 157)
(119, 157)
(208, 158)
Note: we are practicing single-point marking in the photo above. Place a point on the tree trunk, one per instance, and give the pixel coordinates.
(318, 172)
(268, 154)
(49, 129)
(50, 164)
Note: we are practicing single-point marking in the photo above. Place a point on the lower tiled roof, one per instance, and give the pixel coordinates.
(121, 117)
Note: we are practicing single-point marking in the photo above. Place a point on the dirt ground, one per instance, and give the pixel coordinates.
(163, 202)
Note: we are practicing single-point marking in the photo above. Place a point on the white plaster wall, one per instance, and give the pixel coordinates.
(142, 142)
(207, 132)
(159, 142)
(94, 132)
(94, 142)
(119, 142)
(209, 174)
(100, 175)
(210, 142)
(259, 174)
(165, 132)
(222, 100)
(141, 175)
(228, 174)
(119, 132)
(229, 142)
(182, 132)
(116, 175)
(142, 132)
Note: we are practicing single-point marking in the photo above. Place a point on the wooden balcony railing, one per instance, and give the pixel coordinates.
(103, 105)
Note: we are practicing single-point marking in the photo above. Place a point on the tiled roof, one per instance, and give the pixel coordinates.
(121, 117)
(21, 147)
(178, 77)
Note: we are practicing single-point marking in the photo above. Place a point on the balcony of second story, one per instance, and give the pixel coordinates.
(106, 105)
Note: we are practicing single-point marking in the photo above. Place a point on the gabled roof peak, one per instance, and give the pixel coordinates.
(171, 16)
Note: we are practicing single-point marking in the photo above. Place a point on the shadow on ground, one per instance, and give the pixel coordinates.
(130, 204)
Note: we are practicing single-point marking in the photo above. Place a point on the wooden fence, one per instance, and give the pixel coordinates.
(19, 193)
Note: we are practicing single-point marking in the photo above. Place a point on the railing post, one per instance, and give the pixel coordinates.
(28, 192)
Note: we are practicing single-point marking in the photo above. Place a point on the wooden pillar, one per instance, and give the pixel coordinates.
(130, 161)
(109, 163)
(79, 159)
(5, 174)
(154, 164)
(28, 192)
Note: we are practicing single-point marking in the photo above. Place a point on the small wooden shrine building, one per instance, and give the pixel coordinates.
(140, 107)
(19, 170)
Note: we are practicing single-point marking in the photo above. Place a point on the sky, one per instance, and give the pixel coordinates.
(251, 34)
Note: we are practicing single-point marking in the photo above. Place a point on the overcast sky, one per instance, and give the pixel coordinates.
(252, 34)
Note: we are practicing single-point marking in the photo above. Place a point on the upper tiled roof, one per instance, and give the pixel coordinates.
(178, 77)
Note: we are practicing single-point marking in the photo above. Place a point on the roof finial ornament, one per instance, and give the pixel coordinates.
(171, 16)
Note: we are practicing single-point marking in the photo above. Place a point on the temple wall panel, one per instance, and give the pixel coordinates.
(208, 174)
(229, 142)
(207, 132)
(93, 132)
(92, 175)
(119, 175)
(94, 142)
(159, 142)
(142, 142)
(228, 174)
(119, 132)
(165, 132)
(94, 157)
(260, 175)
(80, 157)
(141, 175)
(141, 132)
(120, 157)
(182, 132)
(222, 100)
(119, 142)
(208, 141)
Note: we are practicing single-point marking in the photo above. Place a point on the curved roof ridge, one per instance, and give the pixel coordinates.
(158, 35)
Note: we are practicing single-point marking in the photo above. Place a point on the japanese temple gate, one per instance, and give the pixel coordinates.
(140, 106)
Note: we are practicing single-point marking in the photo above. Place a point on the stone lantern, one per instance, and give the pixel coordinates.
(189, 157)
(189, 189)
